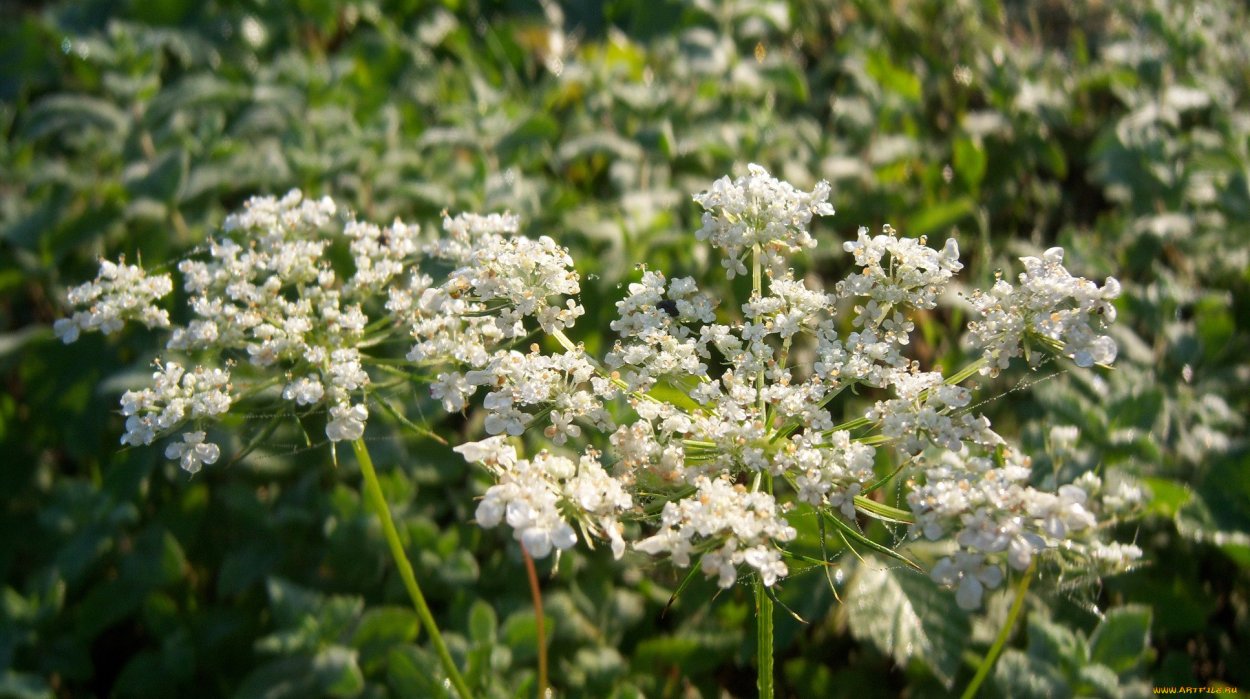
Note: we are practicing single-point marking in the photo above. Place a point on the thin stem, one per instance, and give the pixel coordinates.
(539, 623)
(763, 603)
(763, 640)
(373, 492)
(1004, 633)
(757, 292)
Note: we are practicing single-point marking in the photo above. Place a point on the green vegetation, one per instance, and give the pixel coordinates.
(1118, 129)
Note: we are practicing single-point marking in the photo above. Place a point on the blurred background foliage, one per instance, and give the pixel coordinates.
(1118, 128)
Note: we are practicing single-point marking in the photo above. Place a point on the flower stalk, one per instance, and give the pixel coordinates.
(540, 630)
(763, 640)
(373, 493)
(987, 663)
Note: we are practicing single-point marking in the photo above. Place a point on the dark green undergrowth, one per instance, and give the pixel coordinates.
(1118, 129)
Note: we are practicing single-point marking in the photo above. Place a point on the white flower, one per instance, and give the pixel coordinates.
(453, 390)
(175, 395)
(192, 452)
(758, 209)
(493, 452)
(744, 525)
(970, 574)
(119, 293)
(347, 422)
(306, 390)
(1070, 312)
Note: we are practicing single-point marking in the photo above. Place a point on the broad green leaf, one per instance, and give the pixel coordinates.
(17, 685)
(160, 180)
(412, 672)
(606, 143)
(337, 673)
(191, 94)
(908, 617)
(939, 218)
(1167, 496)
(1122, 639)
(893, 77)
(382, 628)
(1053, 644)
(331, 672)
(73, 112)
(482, 623)
(1019, 675)
(1098, 680)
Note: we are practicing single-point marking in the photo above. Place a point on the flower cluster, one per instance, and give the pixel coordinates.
(266, 294)
(759, 210)
(716, 420)
(988, 506)
(177, 395)
(120, 293)
(756, 416)
(729, 525)
(1068, 313)
(532, 494)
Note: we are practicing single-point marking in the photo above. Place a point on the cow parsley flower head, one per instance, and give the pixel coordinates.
(719, 419)
(538, 497)
(176, 395)
(759, 210)
(1069, 314)
(119, 293)
(729, 525)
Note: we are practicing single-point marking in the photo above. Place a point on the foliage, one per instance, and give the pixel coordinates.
(1120, 130)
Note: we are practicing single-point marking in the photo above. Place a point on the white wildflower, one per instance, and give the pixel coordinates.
(193, 452)
(347, 422)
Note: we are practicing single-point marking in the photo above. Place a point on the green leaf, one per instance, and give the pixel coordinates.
(381, 629)
(482, 623)
(411, 672)
(605, 143)
(1215, 324)
(17, 685)
(969, 161)
(162, 179)
(1054, 645)
(1098, 680)
(692, 652)
(1167, 496)
(882, 511)
(892, 77)
(300, 609)
(939, 217)
(73, 112)
(1122, 639)
(539, 129)
(190, 94)
(854, 535)
(337, 672)
(908, 617)
(331, 672)
(1019, 675)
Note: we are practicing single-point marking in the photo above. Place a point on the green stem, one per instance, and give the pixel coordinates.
(763, 603)
(1004, 633)
(763, 640)
(757, 292)
(373, 493)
